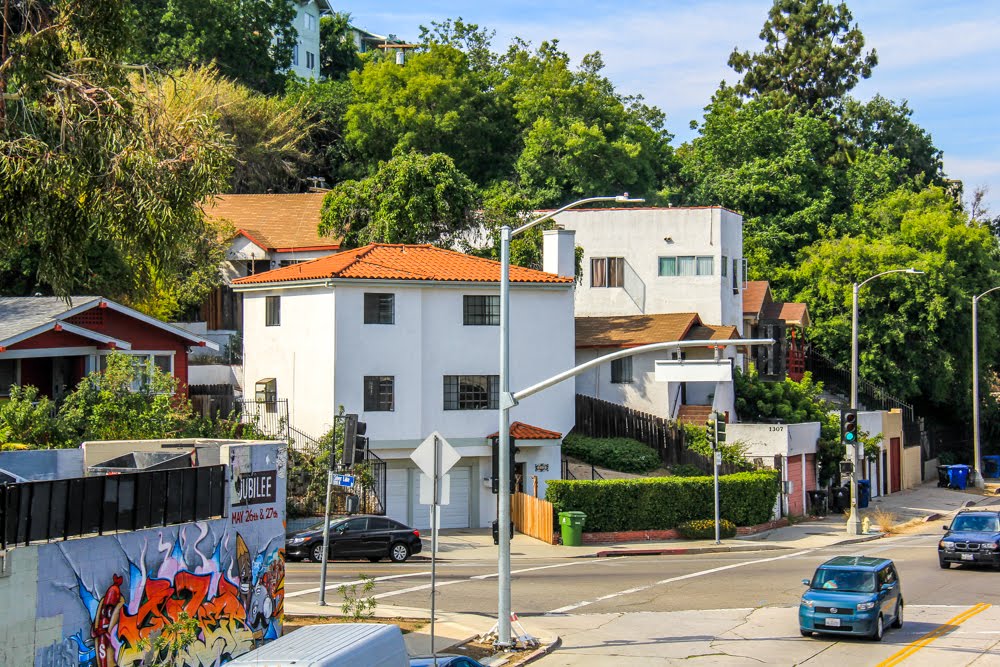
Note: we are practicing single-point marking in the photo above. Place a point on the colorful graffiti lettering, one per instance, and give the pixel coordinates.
(234, 611)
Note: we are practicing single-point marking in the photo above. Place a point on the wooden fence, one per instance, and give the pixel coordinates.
(601, 419)
(533, 516)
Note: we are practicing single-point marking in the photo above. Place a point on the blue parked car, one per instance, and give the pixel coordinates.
(973, 538)
(852, 595)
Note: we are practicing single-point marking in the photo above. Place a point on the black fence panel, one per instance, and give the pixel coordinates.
(59, 509)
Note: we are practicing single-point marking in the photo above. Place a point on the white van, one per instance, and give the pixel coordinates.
(332, 645)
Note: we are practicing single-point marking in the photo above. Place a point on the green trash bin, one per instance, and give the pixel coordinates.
(571, 524)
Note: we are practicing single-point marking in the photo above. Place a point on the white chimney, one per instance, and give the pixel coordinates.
(559, 252)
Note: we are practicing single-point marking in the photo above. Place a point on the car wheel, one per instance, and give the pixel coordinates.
(317, 553)
(805, 633)
(879, 629)
(399, 552)
(945, 565)
(374, 559)
(897, 622)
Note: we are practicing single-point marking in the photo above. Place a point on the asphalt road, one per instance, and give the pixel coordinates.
(700, 606)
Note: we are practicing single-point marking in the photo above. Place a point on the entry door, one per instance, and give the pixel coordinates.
(895, 454)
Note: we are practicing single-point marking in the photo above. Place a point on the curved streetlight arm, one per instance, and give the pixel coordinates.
(992, 289)
(622, 199)
(885, 273)
(977, 478)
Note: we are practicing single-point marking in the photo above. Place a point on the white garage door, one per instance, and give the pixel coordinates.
(396, 492)
(453, 515)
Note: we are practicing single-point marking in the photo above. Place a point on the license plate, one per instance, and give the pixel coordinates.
(968, 556)
(833, 622)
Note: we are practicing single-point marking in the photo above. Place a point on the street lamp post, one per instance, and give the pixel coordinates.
(977, 477)
(854, 520)
(506, 403)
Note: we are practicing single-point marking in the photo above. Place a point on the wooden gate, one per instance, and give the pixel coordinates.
(533, 516)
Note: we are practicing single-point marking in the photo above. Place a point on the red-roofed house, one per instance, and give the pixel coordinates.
(407, 337)
(759, 308)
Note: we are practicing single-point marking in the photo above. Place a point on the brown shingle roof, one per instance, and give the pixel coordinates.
(635, 330)
(754, 296)
(276, 222)
(385, 261)
(791, 313)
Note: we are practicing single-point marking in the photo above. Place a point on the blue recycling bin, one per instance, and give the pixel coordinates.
(958, 476)
(864, 492)
(991, 466)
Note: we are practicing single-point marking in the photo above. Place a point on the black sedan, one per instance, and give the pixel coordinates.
(355, 537)
(973, 538)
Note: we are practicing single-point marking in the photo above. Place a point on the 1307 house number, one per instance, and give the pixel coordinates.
(776, 428)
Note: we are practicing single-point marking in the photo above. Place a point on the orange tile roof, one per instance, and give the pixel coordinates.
(522, 431)
(635, 330)
(275, 222)
(791, 313)
(386, 261)
(755, 294)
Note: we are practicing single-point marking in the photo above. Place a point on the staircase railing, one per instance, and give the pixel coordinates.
(873, 396)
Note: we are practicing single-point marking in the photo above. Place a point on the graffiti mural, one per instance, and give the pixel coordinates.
(123, 598)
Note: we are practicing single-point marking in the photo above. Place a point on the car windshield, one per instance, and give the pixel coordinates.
(829, 579)
(976, 523)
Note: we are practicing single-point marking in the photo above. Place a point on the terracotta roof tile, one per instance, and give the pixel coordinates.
(755, 294)
(635, 330)
(522, 431)
(276, 222)
(791, 313)
(384, 261)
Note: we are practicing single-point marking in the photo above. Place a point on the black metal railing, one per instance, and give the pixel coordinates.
(873, 396)
(303, 442)
(267, 417)
(567, 473)
(59, 509)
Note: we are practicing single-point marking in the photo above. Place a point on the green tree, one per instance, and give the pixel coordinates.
(913, 333)
(92, 162)
(338, 54)
(250, 41)
(26, 418)
(323, 106)
(412, 198)
(813, 55)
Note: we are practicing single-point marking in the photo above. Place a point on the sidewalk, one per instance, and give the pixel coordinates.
(477, 545)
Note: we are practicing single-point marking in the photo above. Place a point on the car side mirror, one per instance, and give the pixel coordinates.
(886, 587)
(805, 582)
(945, 528)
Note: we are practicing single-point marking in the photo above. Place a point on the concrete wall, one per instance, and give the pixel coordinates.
(911, 468)
(644, 235)
(92, 601)
(764, 440)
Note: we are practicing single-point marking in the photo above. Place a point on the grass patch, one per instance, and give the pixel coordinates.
(620, 454)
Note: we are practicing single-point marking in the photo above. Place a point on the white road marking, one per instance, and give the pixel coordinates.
(334, 585)
(480, 577)
(692, 575)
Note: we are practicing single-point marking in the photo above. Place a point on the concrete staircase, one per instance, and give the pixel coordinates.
(697, 415)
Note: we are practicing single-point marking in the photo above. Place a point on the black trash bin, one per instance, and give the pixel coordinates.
(943, 480)
(840, 499)
(991, 466)
(864, 492)
(817, 502)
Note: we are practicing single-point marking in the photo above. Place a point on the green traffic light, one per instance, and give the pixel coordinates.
(849, 436)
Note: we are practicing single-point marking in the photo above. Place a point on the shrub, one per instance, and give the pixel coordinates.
(661, 503)
(686, 470)
(704, 529)
(621, 454)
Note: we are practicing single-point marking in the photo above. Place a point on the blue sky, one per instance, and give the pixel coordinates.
(943, 57)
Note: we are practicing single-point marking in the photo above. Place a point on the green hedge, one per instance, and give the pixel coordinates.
(661, 503)
(704, 529)
(621, 454)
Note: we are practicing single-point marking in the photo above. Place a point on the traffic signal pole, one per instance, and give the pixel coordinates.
(715, 470)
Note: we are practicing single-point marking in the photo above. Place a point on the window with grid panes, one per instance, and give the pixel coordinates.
(607, 272)
(471, 392)
(379, 393)
(380, 308)
(481, 309)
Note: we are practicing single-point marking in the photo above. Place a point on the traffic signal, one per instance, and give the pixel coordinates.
(849, 427)
(354, 441)
(496, 531)
(720, 431)
(495, 481)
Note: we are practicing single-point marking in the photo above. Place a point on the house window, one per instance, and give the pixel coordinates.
(736, 276)
(379, 393)
(310, 60)
(380, 308)
(725, 266)
(621, 370)
(266, 392)
(272, 311)
(686, 266)
(295, 55)
(471, 392)
(310, 22)
(607, 272)
(8, 375)
(165, 362)
(481, 309)
(142, 367)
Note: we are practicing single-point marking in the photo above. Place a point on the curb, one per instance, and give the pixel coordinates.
(541, 652)
(683, 551)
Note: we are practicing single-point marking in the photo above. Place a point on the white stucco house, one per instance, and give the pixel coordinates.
(407, 337)
(676, 272)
